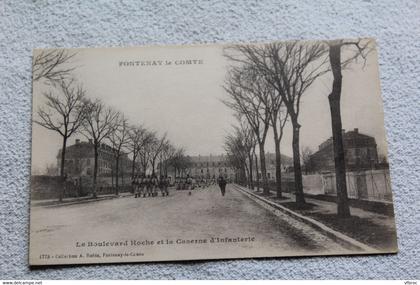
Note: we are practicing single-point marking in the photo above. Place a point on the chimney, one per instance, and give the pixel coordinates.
(356, 130)
(90, 141)
(77, 141)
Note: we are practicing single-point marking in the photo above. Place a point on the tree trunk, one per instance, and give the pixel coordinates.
(63, 156)
(278, 161)
(95, 169)
(300, 199)
(117, 168)
(133, 166)
(257, 172)
(251, 181)
(153, 167)
(278, 170)
(266, 190)
(343, 209)
(62, 174)
(243, 176)
(122, 176)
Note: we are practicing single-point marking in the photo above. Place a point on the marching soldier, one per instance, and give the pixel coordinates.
(222, 184)
(148, 185)
(166, 185)
(142, 186)
(154, 184)
(189, 182)
(162, 185)
(135, 185)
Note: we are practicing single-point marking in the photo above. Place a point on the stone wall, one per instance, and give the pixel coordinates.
(373, 185)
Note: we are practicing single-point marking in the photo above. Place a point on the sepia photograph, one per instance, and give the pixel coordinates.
(201, 152)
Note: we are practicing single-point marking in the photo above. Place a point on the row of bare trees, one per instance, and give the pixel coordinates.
(265, 85)
(67, 110)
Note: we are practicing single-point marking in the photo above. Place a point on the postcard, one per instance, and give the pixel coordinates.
(200, 152)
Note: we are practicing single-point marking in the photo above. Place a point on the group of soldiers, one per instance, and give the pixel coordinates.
(150, 185)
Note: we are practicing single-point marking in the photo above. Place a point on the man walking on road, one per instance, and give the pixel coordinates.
(222, 184)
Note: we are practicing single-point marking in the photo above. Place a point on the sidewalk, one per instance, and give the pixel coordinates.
(75, 200)
(373, 229)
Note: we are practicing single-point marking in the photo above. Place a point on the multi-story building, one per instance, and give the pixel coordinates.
(210, 166)
(79, 160)
(360, 153)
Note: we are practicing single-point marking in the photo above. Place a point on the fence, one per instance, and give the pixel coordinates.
(49, 187)
(373, 185)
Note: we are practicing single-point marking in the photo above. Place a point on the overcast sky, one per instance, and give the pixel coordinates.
(184, 100)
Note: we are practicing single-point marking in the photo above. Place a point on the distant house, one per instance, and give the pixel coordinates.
(360, 153)
(270, 161)
(270, 164)
(79, 160)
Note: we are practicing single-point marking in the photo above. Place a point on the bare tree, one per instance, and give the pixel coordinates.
(156, 149)
(119, 139)
(51, 169)
(52, 65)
(246, 135)
(278, 120)
(137, 136)
(255, 158)
(99, 123)
(63, 113)
(355, 49)
(245, 89)
(237, 153)
(290, 68)
(146, 150)
(167, 153)
(179, 161)
(306, 159)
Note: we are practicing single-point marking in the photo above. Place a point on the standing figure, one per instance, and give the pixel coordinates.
(188, 181)
(166, 185)
(134, 185)
(148, 184)
(222, 184)
(142, 186)
(161, 184)
(154, 182)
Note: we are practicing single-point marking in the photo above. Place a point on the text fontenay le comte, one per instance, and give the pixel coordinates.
(160, 62)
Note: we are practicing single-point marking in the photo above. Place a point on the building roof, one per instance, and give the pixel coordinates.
(84, 149)
(207, 158)
(351, 139)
